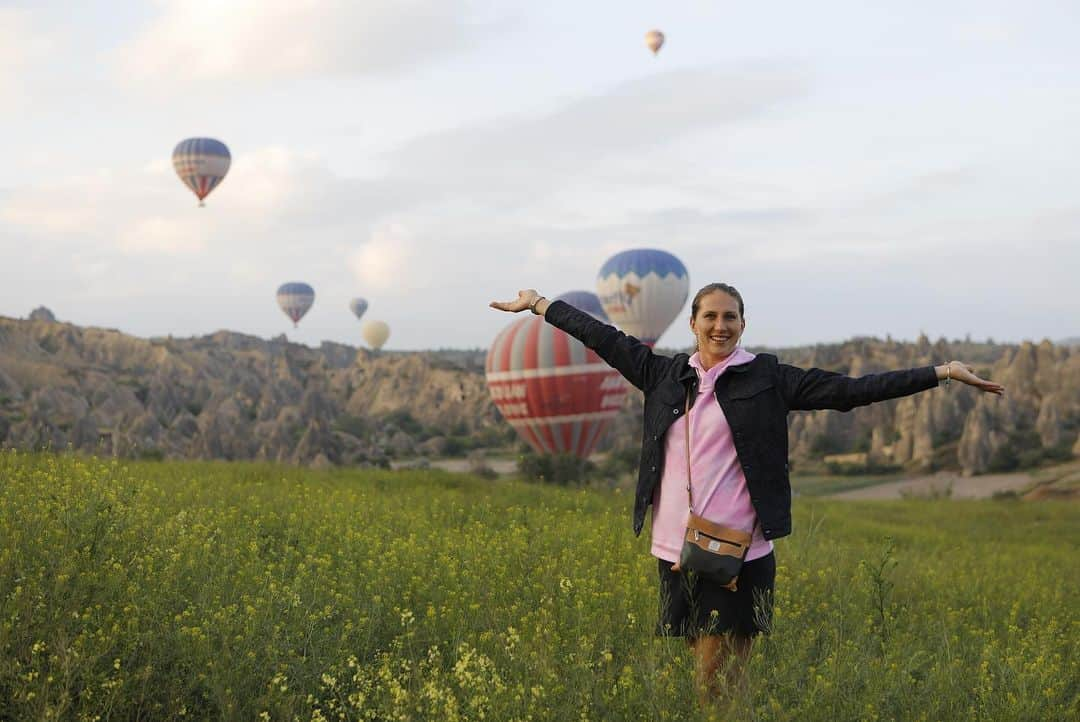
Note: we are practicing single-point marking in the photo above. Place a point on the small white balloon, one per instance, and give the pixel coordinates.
(375, 333)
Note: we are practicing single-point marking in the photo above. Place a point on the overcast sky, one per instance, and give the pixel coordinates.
(852, 170)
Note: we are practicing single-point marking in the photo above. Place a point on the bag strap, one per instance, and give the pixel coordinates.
(689, 491)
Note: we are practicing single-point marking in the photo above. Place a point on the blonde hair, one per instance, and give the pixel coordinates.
(713, 288)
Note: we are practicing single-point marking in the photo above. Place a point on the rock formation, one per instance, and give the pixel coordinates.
(42, 314)
(233, 396)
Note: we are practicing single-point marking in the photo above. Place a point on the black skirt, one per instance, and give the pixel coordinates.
(691, 605)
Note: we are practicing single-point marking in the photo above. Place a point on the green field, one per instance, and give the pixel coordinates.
(241, 591)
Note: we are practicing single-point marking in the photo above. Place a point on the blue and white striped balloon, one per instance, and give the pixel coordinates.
(201, 164)
(358, 306)
(642, 291)
(295, 299)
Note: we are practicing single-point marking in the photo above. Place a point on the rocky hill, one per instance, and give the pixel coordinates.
(232, 396)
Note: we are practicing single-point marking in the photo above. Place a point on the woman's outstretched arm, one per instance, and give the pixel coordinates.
(627, 355)
(806, 389)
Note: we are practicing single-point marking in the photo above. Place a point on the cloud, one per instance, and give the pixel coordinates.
(926, 187)
(985, 30)
(23, 47)
(557, 148)
(71, 205)
(194, 41)
(393, 261)
(161, 235)
(265, 188)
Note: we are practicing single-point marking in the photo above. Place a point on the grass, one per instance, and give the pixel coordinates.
(246, 591)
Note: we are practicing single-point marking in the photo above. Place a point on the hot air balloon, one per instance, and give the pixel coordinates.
(558, 394)
(585, 301)
(375, 333)
(643, 291)
(201, 164)
(654, 40)
(358, 306)
(295, 299)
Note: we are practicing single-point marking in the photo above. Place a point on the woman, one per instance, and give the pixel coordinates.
(736, 406)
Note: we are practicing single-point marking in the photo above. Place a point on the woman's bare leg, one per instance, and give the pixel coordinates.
(721, 654)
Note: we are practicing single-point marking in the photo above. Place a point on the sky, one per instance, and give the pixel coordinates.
(854, 170)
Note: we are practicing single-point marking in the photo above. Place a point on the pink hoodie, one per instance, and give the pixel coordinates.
(720, 493)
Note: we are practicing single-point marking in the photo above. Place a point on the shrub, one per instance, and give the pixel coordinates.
(619, 462)
(559, 469)
(405, 421)
(352, 425)
(457, 445)
(825, 444)
(1004, 458)
(150, 453)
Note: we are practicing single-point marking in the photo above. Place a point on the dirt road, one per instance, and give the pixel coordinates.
(963, 487)
(503, 467)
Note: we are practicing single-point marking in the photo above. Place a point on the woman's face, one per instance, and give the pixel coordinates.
(718, 326)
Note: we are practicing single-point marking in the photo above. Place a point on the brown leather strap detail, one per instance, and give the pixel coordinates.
(734, 537)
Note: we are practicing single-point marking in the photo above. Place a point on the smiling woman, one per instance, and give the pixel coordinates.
(724, 470)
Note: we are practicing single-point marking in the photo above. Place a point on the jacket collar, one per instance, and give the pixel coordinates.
(688, 375)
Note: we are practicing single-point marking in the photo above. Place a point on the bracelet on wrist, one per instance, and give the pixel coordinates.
(532, 306)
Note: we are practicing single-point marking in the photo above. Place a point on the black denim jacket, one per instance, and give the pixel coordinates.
(755, 397)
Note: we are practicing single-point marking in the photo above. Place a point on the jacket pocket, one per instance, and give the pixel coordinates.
(670, 394)
(750, 388)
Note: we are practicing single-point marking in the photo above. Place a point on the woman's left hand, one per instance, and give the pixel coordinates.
(524, 301)
(960, 371)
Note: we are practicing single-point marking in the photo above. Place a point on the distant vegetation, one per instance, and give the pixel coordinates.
(201, 590)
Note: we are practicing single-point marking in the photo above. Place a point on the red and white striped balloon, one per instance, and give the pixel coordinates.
(558, 394)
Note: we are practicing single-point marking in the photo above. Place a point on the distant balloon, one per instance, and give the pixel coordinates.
(558, 394)
(585, 301)
(642, 291)
(375, 333)
(358, 306)
(201, 164)
(295, 299)
(654, 40)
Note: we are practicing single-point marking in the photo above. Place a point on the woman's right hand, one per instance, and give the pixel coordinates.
(523, 302)
(966, 374)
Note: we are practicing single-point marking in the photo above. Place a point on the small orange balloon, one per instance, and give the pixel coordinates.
(654, 40)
